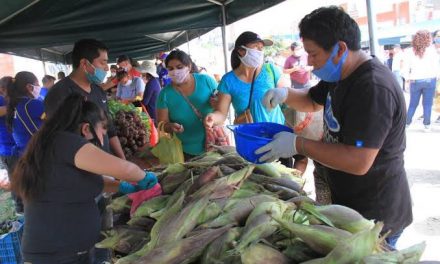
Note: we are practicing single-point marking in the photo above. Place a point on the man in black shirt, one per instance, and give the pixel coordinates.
(361, 154)
(89, 59)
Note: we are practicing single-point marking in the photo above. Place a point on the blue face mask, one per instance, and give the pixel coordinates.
(98, 77)
(331, 72)
(437, 40)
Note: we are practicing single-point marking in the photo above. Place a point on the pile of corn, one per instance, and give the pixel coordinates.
(217, 208)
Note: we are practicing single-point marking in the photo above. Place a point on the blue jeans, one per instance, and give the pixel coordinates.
(399, 78)
(392, 240)
(417, 88)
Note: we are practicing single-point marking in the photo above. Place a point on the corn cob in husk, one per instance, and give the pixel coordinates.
(183, 250)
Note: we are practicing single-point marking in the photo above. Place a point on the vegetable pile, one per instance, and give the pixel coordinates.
(218, 208)
(132, 126)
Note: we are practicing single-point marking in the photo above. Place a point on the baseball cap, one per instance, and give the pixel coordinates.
(148, 66)
(249, 37)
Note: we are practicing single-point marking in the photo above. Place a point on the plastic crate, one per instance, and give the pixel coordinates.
(10, 245)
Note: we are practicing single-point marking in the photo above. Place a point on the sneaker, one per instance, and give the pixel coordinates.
(420, 117)
(427, 128)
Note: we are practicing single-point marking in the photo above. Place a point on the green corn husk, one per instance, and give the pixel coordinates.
(262, 254)
(216, 251)
(210, 174)
(122, 239)
(282, 192)
(174, 168)
(287, 183)
(288, 173)
(206, 160)
(210, 212)
(238, 210)
(146, 223)
(231, 159)
(248, 189)
(133, 257)
(340, 216)
(409, 255)
(260, 223)
(321, 239)
(120, 205)
(172, 181)
(152, 205)
(298, 251)
(157, 230)
(268, 169)
(182, 251)
(224, 149)
(302, 199)
(163, 221)
(354, 249)
(226, 170)
(183, 222)
(222, 187)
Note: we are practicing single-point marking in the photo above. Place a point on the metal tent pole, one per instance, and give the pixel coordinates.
(224, 40)
(372, 26)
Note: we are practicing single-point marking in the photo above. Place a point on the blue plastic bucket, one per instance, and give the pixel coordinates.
(250, 137)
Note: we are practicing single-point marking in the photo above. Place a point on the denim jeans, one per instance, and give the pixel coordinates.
(417, 88)
(392, 240)
(399, 78)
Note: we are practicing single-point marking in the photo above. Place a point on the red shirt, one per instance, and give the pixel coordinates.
(302, 76)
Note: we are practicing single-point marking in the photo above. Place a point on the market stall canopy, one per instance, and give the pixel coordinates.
(47, 29)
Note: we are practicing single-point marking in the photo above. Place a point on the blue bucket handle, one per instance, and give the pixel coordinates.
(232, 127)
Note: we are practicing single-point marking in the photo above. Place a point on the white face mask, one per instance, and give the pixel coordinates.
(36, 91)
(178, 75)
(113, 74)
(128, 83)
(253, 58)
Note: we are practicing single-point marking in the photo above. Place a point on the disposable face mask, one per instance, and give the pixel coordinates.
(97, 77)
(128, 83)
(253, 58)
(36, 91)
(178, 75)
(113, 74)
(331, 72)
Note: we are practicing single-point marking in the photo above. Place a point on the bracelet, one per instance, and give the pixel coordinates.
(302, 147)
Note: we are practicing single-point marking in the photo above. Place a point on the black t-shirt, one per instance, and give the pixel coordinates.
(66, 87)
(64, 218)
(367, 109)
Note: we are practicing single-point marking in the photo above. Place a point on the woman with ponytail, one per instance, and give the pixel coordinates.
(59, 177)
(24, 115)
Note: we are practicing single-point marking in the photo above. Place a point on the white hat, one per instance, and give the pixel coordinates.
(148, 66)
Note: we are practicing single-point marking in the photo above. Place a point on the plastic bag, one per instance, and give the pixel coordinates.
(169, 148)
(306, 124)
(216, 136)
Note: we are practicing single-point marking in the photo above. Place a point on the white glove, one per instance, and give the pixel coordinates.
(274, 97)
(283, 145)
